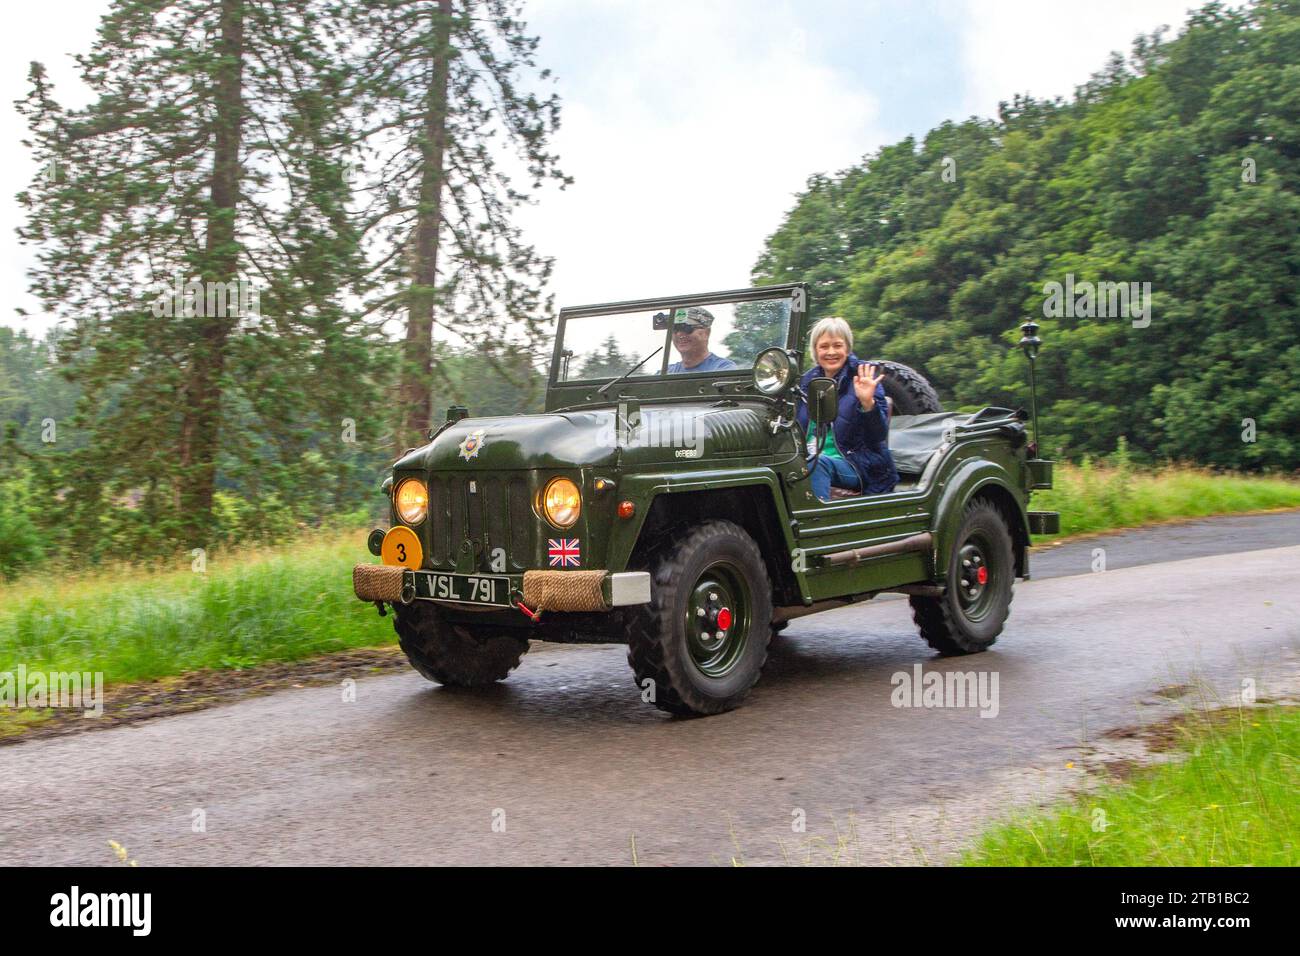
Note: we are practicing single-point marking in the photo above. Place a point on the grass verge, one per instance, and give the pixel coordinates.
(249, 606)
(1230, 802)
(1103, 496)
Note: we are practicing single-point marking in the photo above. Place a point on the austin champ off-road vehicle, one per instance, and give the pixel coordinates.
(670, 509)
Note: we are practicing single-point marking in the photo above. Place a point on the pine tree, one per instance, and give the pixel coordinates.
(453, 126)
(192, 228)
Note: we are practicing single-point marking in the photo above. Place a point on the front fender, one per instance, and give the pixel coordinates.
(643, 489)
(972, 477)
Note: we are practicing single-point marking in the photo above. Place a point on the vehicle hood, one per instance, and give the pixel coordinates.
(591, 437)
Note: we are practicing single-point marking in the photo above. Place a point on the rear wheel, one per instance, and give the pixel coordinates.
(700, 644)
(981, 572)
(453, 654)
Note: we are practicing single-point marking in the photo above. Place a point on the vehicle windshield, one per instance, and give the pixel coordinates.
(709, 339)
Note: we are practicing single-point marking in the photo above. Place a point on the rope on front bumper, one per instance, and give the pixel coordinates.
(377, 582)
(564, 590)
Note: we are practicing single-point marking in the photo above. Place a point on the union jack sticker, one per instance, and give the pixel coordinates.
(564, 552)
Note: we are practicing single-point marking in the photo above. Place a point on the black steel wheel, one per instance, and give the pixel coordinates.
(981, 573)
(454, 654)
(700, 644)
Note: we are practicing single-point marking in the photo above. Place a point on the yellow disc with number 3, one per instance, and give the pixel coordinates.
(402, 548)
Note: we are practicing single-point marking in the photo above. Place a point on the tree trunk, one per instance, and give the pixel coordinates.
(416, 391)
(201, 424)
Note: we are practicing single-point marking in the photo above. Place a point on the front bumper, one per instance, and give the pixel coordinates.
(538, 590)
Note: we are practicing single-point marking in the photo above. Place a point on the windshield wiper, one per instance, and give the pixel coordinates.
(610, 384)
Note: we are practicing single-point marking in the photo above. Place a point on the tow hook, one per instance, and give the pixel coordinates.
(517, 601)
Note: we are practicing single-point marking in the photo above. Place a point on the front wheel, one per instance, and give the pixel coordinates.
(969, 616)
(453, 654)
(700, 644)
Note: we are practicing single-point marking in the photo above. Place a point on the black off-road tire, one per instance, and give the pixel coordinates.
(665, 647)
(453, 654)
(956, 623)
(908, 389)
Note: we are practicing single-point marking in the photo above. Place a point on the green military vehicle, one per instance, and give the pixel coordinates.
(670, 509)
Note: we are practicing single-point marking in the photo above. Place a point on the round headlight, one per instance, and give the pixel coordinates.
(561, 502)
(773, 371)
(411, 501)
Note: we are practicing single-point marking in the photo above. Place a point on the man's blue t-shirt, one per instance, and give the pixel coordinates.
(711, 363)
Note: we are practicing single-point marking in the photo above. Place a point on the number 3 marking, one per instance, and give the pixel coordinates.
(401, 553)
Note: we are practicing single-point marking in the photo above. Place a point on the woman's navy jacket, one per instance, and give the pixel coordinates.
(862, 437)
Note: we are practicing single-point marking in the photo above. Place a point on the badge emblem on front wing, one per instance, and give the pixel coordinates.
(470, 444)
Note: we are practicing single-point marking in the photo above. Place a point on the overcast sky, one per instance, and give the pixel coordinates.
(663, 101)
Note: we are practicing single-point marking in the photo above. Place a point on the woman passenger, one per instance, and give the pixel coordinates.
(856, 454)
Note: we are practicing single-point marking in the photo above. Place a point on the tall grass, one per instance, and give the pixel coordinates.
(1108, 494)
(249, 606)
(1232, 802)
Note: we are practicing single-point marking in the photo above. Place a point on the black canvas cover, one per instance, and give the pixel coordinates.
(914, 438)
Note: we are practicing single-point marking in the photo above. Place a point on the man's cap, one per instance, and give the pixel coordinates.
(694, 317)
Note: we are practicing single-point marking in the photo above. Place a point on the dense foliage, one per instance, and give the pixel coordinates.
(1178, 167)
(334, 480)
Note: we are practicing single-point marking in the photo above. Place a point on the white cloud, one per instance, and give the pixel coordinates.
(48, 33)
(1047, 49)
(690, 151)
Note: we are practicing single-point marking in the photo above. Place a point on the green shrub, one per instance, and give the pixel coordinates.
(21, 543)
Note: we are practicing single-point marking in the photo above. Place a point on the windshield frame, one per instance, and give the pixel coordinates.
(563, 393)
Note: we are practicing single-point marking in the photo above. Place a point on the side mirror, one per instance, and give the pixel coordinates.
(823, 401)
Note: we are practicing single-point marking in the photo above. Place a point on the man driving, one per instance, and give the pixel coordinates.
(691, 329)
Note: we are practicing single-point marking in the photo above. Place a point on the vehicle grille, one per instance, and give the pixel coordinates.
(499, 510)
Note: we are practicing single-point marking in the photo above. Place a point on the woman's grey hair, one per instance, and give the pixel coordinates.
(831, 325)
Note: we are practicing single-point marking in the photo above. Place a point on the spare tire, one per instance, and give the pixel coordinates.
(907, 389)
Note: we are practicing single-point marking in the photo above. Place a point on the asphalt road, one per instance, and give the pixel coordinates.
(1232, 534)
(564, 764)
